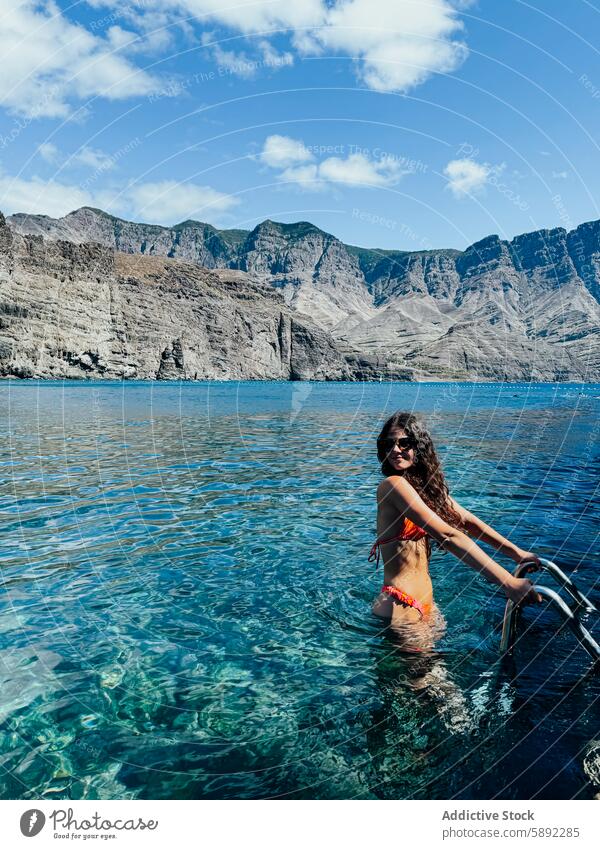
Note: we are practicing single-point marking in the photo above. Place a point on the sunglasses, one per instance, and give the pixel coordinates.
(403, 443)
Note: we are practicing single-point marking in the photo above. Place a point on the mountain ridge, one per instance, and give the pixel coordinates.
(528, 308)
(17, 220)
(213, 248)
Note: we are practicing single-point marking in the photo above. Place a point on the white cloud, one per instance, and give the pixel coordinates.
(154, 40)
(400, 42)
(119, 37)
(358, 170)
(230, 62)
(37, 196)
(47, 61)
(163, 202)
(48, 152)
(241, 64)
(272, 57)
(559, 175)
(96, 159)
(246, 16)
(252, 16)
(305, 176)
(283, 152)
(89, 157)
(168, 202)
(296, 164)
(466, 177)
(397, 44)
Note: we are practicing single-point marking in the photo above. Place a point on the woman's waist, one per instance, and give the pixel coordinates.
(415, 583)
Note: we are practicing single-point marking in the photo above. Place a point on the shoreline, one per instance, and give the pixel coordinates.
(208, 380)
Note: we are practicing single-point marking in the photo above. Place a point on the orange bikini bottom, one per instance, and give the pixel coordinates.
(408, 600)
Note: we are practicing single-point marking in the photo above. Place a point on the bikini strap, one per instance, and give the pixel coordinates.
(375, 552)
(403, 598)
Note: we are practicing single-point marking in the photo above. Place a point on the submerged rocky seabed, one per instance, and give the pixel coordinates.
(185, 606)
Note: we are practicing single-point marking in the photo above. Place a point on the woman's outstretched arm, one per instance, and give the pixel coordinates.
(409, 503)
(480, 531)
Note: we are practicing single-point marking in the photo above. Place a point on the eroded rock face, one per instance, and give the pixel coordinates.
(83, 310)
(314, 270)
(527, 309)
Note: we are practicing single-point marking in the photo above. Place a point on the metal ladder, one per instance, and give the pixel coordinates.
(569, 612)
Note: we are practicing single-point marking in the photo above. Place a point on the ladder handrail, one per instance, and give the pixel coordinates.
(564, 580)
(512, 610)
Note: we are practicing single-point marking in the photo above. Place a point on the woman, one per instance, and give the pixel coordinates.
(413, 505)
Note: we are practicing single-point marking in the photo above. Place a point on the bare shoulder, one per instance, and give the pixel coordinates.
(395, 486)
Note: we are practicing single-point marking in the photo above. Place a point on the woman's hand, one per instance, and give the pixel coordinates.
(521, 591)
(528, 557)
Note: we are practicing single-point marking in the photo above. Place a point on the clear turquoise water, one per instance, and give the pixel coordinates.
(185, 605)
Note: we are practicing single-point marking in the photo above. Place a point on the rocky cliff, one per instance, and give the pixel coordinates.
(84, 310)
(527, 309)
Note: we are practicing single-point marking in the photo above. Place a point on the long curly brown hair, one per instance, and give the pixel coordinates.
(426, 473)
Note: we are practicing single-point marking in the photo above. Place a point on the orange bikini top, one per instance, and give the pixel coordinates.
(409, 531)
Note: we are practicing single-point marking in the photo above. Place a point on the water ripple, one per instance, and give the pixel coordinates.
(185, 607)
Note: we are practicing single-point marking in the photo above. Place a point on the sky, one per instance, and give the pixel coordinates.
(406, 124)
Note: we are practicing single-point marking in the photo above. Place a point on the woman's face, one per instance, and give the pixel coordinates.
(400, 449)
